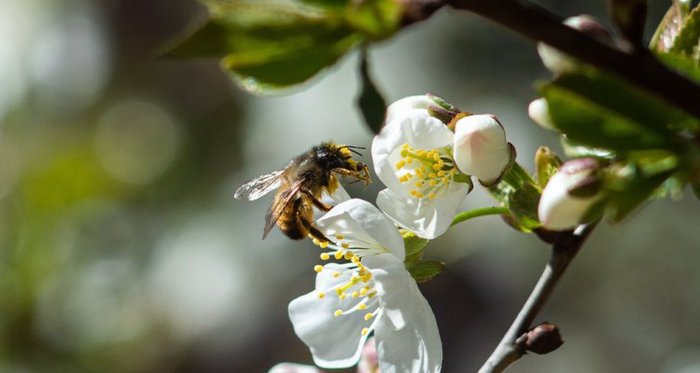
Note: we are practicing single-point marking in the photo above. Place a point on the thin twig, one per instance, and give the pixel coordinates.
(484, 211)
(641, 69)
(563, 251)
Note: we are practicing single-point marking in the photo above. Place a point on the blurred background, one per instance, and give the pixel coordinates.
(123, 250)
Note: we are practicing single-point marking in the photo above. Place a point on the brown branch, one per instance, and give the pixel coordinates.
(641, 68)
(564, 250)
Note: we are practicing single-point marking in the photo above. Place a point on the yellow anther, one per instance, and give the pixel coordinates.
(337, 313)
(432, 196)
(365, 331)
(316, 242)
(432, 175)
(318, 268)
(433, 183)
(372, 295)
(419, 183)
(363, 292)
(349, 255)
(437, 167)
(336, 274)
(441, 173)
(342, 296)
(355, 294)
(445, 180)
(400, 164)
(362, 307)
(366, 278)
(323, 244)
(321, 295)
(325, 256)
(404, 146)
(345, 245)
(355, 259)
(369, 316)
(339, 236)
(338, 254)
(409, 160)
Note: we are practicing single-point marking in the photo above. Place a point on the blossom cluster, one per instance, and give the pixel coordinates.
(426, 156)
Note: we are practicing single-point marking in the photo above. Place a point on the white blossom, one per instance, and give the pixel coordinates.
(371, 292)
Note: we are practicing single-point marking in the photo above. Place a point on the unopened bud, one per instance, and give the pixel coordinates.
(560, 63)
(542, 339)
(538, 110)
(570, 195)
(480, 147)
(369, 360)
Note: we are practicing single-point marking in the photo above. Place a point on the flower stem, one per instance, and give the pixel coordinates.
(565, 248)
(484, 211)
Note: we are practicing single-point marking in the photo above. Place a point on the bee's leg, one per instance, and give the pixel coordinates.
(359, 175)
(314, 233)
(317, 234)
(320, 205)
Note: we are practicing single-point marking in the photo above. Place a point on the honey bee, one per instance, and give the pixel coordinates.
(300, 186)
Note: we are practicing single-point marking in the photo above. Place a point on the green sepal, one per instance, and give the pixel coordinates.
(413, 244)
(426, 270)
(523, 203)
(546, 165)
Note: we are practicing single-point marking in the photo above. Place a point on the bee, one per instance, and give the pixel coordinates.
(300, 186)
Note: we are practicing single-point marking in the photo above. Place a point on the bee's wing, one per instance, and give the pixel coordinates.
(277, 207)
(259, 186)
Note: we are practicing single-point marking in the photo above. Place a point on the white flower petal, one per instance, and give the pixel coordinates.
(420, 131)
(359, 220)
(480, 147)
(406, 107)
(335, 342)
(407, 337)
(427, 218)
(294, 368)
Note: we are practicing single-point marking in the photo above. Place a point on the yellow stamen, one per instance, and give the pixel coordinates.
(337, 313)
(318, 268)
(325, 256)
(365, 331)
(321, 295)
(369, 316)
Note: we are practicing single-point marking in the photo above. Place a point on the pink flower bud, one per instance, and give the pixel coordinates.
(570, 194)
(480, 147)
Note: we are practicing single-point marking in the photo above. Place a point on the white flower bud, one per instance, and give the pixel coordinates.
(539, 113)
(480, 147)
(563, 205)
(561, 63)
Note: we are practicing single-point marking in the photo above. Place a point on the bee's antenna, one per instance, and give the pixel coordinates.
(353, 147)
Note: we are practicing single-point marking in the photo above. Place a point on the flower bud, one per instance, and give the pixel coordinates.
(561, 63)
(542, 339)
(480, 147)
(538, 110)
(570, 195)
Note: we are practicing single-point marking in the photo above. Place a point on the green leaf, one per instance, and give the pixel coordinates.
(670, 26)
(270, 46)
(377, 19)
(688, 40)
(425, 271)
(370, 101)
(629, 184)
(597, 110)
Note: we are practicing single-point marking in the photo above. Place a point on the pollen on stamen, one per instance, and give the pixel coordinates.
(345, 245)
(368, 316)
(400, 164)
(321, 295)
(337, 313)
(339, 236)
(325, 256)
(336, 274)
(372, 295)
(363, 292)
(318, 268)
(362, 306)
(338, 254)
(348, 255)
(365, 331)
(323, 244)
(355, 294)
